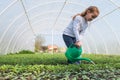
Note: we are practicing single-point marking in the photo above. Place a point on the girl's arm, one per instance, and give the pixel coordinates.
(76, 25)
(79, 43)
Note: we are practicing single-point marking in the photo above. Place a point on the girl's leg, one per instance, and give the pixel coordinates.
(68, 40)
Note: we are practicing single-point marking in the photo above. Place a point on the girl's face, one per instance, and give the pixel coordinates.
(91, 15)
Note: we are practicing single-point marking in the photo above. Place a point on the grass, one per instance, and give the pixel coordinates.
(53, 59)
(44, 66)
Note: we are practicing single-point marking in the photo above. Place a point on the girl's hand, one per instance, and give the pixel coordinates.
(78, 43)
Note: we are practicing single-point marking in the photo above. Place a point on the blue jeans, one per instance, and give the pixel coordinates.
(68, 40)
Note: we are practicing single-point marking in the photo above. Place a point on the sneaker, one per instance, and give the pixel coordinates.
(78, 62)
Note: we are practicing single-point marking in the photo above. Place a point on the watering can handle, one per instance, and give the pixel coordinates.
(73, 45)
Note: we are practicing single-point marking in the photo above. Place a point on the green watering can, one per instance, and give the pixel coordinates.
(73, 54)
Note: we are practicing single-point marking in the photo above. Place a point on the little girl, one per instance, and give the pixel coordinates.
(76, 29)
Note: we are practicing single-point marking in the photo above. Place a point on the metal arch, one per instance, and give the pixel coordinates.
(86, 40)
(91, 38)
(15, 43)
(29, 23)
(66, 19)
(118, 7)
(93, 41)
(13, 48)
(103, 42)
(8, 28)
(83, 49)
(54, 24)
(17, 39)
(13, 4)
(75, 4)
(28, 10)
(112, 31)
(114, 3)
(110, 25)
(57, 18)
(9, 43)
(23, 32)
(88, 46)
(51, 12)
(21, 47)
(59, 14)
(5, 10)
(53, 3)
(105, 47)
(106, 14)
(46, 18)
(31, 8)
(8, 7)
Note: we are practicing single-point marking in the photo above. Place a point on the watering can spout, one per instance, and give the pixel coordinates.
(86, 59)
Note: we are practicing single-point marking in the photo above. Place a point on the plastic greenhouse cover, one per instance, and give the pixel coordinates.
(22, 20)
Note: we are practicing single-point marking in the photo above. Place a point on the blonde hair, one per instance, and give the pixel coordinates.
(91, 9)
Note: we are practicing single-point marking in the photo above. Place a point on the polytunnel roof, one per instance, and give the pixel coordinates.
(22, 20)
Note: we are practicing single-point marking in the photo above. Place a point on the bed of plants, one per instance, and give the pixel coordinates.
(27, 65)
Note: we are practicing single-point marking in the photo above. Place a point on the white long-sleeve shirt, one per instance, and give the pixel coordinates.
(76, 28)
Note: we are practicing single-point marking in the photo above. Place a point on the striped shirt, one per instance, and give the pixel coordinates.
(76, 28)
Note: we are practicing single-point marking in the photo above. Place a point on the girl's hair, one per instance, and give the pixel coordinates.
(91, 9)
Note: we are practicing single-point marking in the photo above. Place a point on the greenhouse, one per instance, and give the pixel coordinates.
(32, 45)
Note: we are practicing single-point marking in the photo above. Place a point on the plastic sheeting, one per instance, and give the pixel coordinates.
(22, 20)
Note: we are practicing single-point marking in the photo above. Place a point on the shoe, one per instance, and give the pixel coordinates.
(78, 62)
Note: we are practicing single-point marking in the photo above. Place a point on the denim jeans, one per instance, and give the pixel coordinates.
(68, 40)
